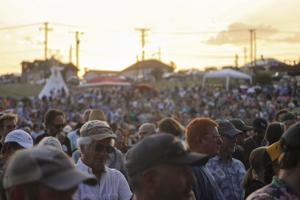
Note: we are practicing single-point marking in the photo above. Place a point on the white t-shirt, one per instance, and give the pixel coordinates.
(112, 186)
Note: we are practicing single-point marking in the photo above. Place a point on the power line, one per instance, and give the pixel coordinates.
(18, 26)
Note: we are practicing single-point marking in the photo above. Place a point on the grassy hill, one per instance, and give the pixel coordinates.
(19, 90)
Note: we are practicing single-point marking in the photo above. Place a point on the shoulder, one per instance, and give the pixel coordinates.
(113, 172)
(238, 163)
(265, 193)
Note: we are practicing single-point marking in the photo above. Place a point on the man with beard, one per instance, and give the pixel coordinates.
(158, 168)
(228, 172)
(95, 143)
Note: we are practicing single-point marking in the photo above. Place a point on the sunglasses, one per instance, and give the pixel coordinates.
(101, 148)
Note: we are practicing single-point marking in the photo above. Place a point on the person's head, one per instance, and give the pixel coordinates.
(85, 115)
(279, 113)
(171, 126)
(290, 146)
(274, 132)
(54, 121)
(203, 136)
(259, 126)
(146, 129)
(240, 125)
(159, 168)
(95, 143)
(97, 114)
(14, 141)
(8, 122)
(260, 168)
(229, 135)
(52, 142)
(288, 119)
(42, 173)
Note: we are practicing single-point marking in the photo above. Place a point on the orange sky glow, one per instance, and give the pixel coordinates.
(190, 33)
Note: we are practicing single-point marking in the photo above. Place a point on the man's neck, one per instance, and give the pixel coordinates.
(225, 156)
(292, 178)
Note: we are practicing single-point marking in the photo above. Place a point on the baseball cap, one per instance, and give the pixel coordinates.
(291, 138)
(160, 149)
(260, 124)
(21, 137)
(240, 124)
(147, 128)
(49, 166)
(287, 116)
(98, 130)
(50, 141)
(226, 128)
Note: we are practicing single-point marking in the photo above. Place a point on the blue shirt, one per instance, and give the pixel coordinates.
(205, 187)
(229, 176)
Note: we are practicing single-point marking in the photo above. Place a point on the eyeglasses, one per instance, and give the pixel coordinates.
(101, 148)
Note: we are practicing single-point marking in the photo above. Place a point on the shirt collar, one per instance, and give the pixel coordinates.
(86, 168)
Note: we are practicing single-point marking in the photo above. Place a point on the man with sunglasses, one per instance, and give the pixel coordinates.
(228, 172)
(95, 143)
(55, 121)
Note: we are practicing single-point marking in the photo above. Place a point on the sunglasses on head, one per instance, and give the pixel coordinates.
(102, 148)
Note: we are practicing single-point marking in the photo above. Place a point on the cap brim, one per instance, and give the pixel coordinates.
(191, 158)
(69, 179)
(232, 132)
(274, 151)
(103, 136)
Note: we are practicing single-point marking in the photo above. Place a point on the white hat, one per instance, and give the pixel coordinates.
(50, 141)
(21, 137)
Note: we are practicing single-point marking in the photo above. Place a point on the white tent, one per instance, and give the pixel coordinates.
(227, 74)
(55, 84)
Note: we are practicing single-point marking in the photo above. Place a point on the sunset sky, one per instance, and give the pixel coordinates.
(191, 33)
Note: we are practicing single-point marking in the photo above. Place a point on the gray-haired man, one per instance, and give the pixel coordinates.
(95, 143)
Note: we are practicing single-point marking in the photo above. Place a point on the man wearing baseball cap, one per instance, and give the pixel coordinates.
(228, 172)
(42, 173)
(287, 184)
(159, 168)
(15, 140)
(95, 143)
(259, 127)
(239, 151)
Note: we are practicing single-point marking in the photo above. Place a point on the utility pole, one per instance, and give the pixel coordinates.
(236, 60)
(159, 54)
(77, 41)
(245, 55)
(70, 54)
(46, 29)
(252, 46)
(143, 35)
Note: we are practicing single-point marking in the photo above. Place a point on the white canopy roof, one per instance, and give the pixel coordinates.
(228, 74)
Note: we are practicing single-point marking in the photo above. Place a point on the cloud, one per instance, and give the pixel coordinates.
(295, 37)
(238, 34)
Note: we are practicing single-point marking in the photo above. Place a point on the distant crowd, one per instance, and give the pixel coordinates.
(172, 144)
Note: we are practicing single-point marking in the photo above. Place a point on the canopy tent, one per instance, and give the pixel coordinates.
(55, 84)
(227, 74)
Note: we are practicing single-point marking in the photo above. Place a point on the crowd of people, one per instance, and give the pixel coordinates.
(176, 144)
